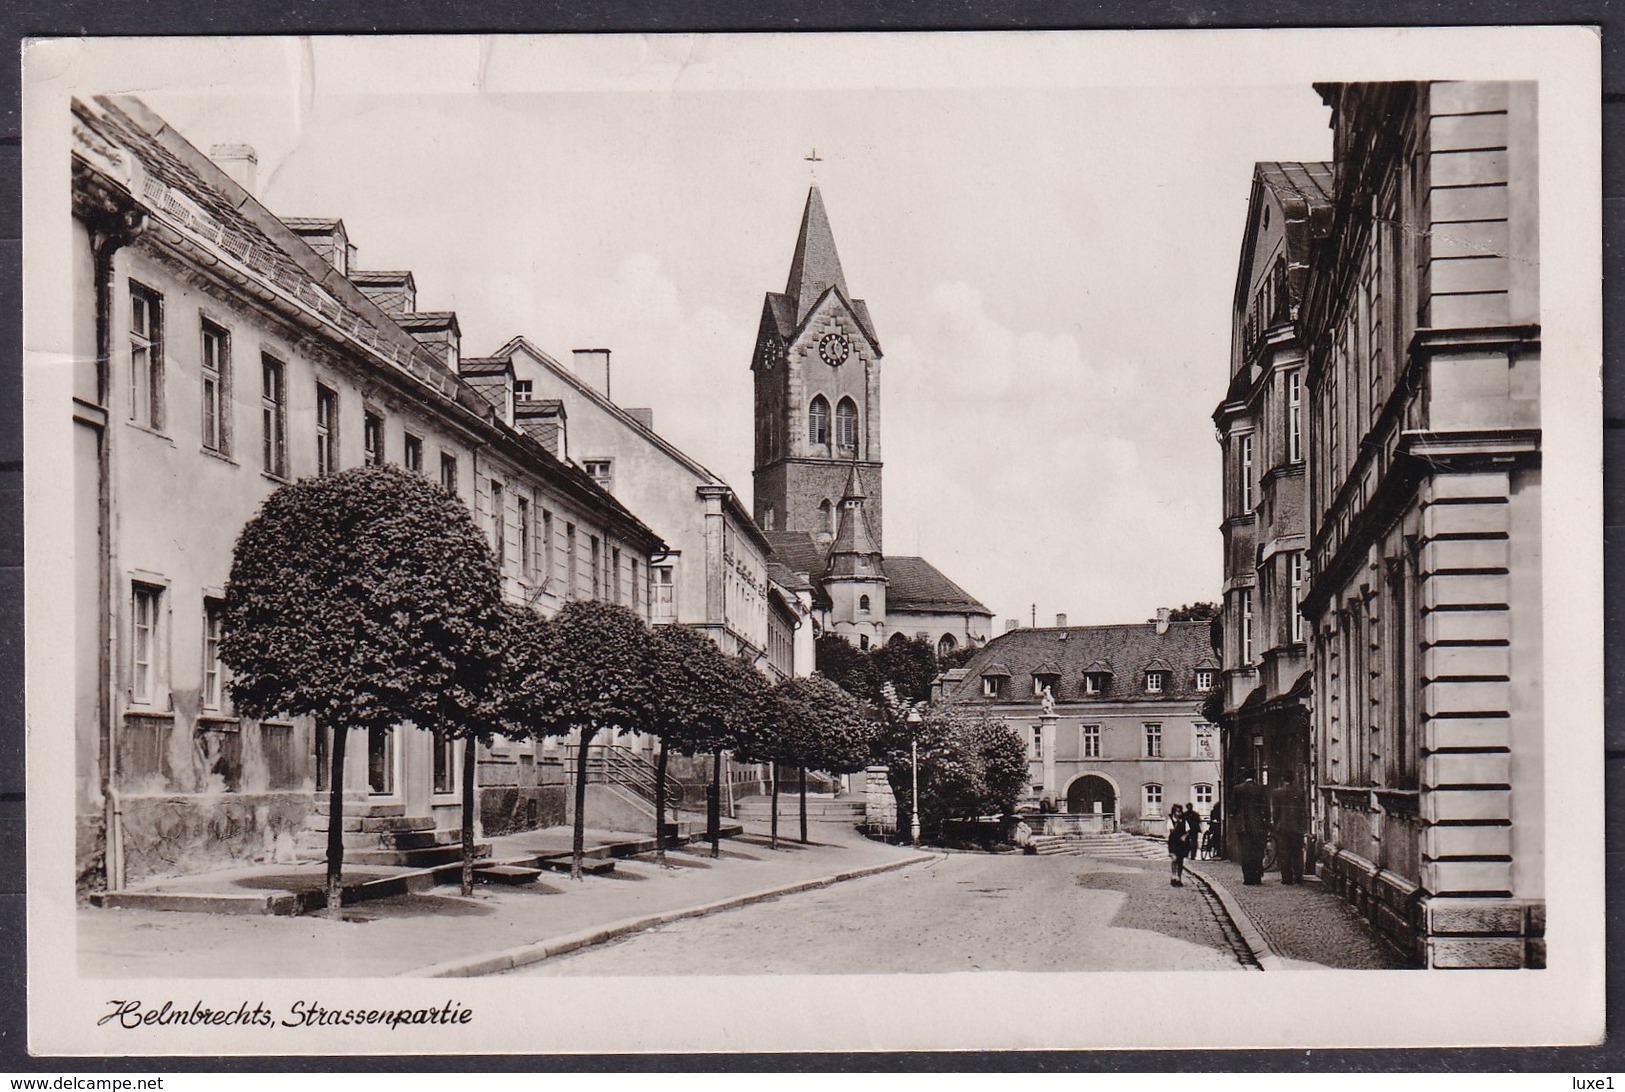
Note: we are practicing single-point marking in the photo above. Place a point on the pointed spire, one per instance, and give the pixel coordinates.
(854, 552)
(816, 266)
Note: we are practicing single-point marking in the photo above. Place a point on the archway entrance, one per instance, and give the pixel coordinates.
(1093, 797)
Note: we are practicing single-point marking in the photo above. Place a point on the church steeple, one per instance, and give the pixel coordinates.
(816, 265)
(854, 554)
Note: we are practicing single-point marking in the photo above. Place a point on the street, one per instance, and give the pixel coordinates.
(963, 912)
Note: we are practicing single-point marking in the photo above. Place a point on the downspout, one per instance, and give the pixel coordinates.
(115, 230)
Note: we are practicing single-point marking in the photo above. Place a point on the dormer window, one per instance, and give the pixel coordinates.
(1046, 677)
(1204, 680)
(1094, 683)
(1153, 682)
(991, 685)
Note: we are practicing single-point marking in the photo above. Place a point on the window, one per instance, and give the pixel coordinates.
(818, 421)
(769, 518)
(1090, 745)
(1153, 682)
(826, 516)
(661, 603)
(846, 424)
(526, 562)
(1244, 600)
(1244, 448)
(545, 562)
(1203, 735)
(146, 601)
(1038, 742)
(602, 471)
(863, 604)
(499, 523)
(445, 764)
(992, 685)
(1297, 595)
(372, 439)
(216, 372)
(1294, 417)
(146, 357)
(1204, 797)
(946, 645)
(327, 441)
(1153, 740)
(214, 616)
(1093, 683)
(569, 561)
(448, 472)
(1045, 681)
(522, 390)
(1204, 680)
(1151, 801)
(412, 453)
(595, 551)
(863, 642)
(380, 761)
(274, 416)
(636, 605)
(615, 574)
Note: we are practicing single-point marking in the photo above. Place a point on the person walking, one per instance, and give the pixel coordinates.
(1286, 814)
(1249, 810)
(1176, 847)
(1192, 821)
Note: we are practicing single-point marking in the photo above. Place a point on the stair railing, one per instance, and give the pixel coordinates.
(610, 765)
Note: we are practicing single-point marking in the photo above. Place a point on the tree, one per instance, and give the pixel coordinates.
(751, 717)
(824, 728)
(592, 676)
(848, 666)
(909, 665)
(763, 721)
(692, 691)
(1193, 612)
(365, 599)
(969, 764)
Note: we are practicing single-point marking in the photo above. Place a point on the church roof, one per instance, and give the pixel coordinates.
(914, 584)
(815, 270)
(1075, 650)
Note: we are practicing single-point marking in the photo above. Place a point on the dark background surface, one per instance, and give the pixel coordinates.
(48, 18)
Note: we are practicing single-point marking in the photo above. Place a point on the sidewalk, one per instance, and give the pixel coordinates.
(1307, 926)
(410, 932)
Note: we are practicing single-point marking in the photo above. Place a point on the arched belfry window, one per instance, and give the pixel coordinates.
(818, 421)
(846, 424)
(863, 604)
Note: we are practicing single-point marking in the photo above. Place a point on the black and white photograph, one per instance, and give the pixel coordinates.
(813, 541)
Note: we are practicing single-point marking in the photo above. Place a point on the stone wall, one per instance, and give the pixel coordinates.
(168, 835)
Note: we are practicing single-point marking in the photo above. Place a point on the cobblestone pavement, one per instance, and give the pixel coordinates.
(966, 912)
(1307, 925)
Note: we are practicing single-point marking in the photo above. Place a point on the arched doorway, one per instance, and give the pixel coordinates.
(1093, 796)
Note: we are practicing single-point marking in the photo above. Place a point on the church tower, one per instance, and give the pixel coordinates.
(855, 579)
(817, 372)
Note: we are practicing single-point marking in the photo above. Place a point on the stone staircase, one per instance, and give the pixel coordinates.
(1097, 845)
(383, 834)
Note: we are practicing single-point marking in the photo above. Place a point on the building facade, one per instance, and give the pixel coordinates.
(817, 478)
(1262, 426)
(220, 352)
(1421, 325)
(1122, 738)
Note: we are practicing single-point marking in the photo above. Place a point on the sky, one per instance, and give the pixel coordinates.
(1049, 260)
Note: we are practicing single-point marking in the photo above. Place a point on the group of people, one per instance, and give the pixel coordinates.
(1257, 815)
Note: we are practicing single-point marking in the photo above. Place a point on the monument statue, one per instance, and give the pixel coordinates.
(1049, 702)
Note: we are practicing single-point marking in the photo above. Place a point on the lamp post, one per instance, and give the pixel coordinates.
(914, 722)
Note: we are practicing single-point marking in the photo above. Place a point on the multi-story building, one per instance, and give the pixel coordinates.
(1421, 324)
(1122, 738)
(1263, 430)
(219, 352)
(818, 468)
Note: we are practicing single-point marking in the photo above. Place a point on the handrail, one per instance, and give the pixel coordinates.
(611, 765)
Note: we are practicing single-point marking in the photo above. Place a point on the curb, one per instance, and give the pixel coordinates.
(526, 954)
(1262, 952)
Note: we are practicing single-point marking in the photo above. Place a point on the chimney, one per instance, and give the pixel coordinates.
(1012, 624)
(239, 162)
(592, 368)
(1060, 621)
(1162, 620)
(644, 417)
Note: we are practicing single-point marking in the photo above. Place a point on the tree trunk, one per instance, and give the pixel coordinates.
(803, 805)
(773, 839)
(660, 806)
(578, 845)
(470, 761)
(714, 810)
(335, 824)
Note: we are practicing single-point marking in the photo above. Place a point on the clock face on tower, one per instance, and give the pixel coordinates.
(833, 349)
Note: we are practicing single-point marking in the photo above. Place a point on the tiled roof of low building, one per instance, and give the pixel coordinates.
(913, 583)
(1077, 650)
